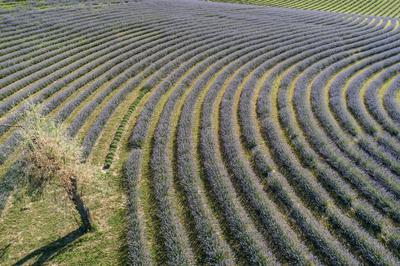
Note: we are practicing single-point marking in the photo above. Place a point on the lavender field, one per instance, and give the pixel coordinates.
(223, 134)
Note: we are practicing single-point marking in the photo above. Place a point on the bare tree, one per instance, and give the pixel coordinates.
(49, 156)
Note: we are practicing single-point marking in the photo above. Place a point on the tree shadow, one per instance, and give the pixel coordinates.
(52, 249)
(4, 250)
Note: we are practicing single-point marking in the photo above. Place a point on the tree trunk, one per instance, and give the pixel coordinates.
(80, 206)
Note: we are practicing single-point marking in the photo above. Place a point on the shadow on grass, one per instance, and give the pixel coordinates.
(47, 252)
(4, 250)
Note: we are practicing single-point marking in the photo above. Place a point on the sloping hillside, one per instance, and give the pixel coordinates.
(221, 133)
(384, 8)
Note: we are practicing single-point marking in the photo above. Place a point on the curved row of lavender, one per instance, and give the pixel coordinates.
(266, 135)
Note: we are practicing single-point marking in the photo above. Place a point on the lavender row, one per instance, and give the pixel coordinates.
(159, 159)
(389, 99)
(283, 157)
(137, 254)
(64, 60)
(106, 112)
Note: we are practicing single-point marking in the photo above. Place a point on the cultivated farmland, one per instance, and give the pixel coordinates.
(389, 8)
(221, 133)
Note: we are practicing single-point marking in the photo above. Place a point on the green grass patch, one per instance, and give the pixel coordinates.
(28, 224)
